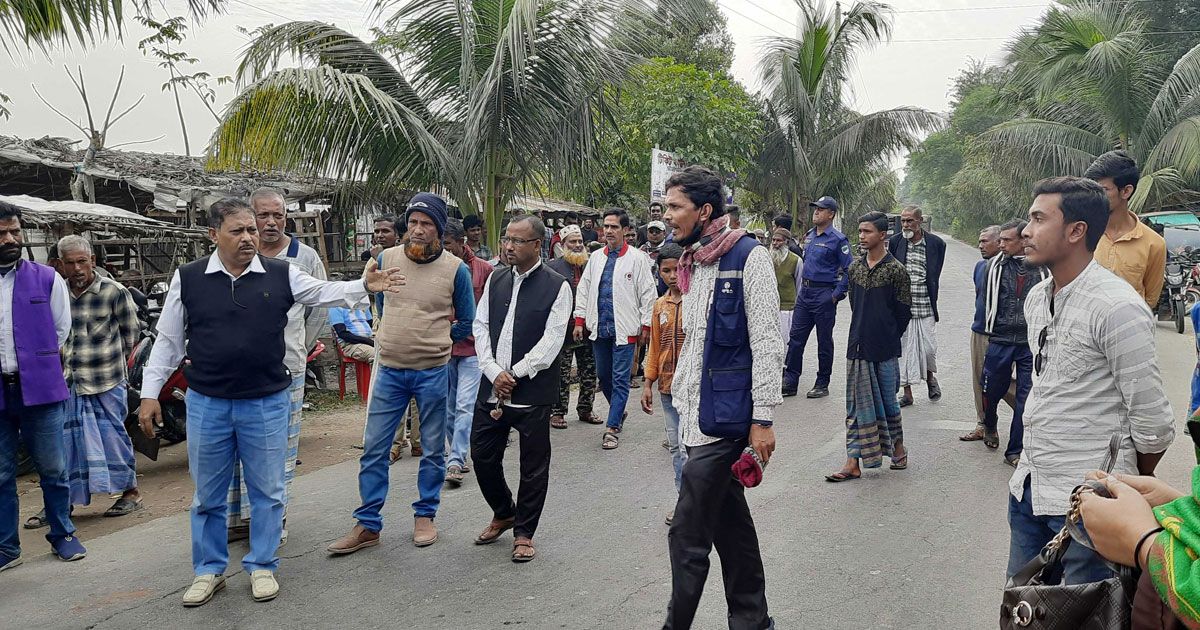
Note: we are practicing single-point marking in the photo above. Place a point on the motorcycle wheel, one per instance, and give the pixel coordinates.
(174, 429)
(1179, 308)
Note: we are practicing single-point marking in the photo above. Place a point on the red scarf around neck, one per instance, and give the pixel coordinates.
(715, 241)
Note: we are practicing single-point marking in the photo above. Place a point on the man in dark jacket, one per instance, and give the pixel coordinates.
(520, 369)
(879, 314)
(1007, 281)
(922, 254)
(570, 266)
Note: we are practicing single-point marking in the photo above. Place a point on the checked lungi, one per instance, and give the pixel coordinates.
(872, 412)
(98, 451)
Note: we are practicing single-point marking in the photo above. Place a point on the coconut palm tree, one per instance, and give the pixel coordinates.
(45, 23)
(815, 144)
(1087, 80)
(489, 97)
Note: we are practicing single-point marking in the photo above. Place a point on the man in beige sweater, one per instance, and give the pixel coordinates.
(417, 329)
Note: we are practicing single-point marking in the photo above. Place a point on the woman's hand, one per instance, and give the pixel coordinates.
(1115, 525)
(1156, 491)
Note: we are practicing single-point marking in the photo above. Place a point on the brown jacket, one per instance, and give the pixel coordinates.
(666, 340)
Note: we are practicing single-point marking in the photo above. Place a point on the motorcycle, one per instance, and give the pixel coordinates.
(170, 398)
(1178, 273)
(1191, 292)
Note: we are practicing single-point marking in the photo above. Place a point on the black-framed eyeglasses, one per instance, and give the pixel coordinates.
(505, 240)
(1039, 361)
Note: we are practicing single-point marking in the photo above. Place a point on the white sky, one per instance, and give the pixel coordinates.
(912, 70)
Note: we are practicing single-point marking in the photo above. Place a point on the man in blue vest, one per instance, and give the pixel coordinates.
(726, 387)
(35, 322)
(234, 306)
(823, 285)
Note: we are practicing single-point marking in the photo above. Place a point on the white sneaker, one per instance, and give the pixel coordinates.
(202, 589)
(263, 585)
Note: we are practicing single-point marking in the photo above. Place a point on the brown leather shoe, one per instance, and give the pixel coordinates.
(424, 531)
(358, 538)
(416, 450)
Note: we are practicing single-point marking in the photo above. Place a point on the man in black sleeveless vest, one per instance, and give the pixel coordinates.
(233, 306)
(520, 366)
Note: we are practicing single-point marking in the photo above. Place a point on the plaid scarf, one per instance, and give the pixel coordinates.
(715, 241)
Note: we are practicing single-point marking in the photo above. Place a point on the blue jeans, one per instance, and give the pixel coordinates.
(1029, 533)
(996, 377)
(40, 428)
(613, 363)
(222, 432)
(391, 392)
(678, 453)
(815, 308)
(464, 387)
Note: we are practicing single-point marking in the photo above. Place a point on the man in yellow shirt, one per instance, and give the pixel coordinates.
(1128, 248)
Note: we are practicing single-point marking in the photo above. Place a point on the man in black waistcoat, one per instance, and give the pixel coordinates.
(233, 306)
(520, 366)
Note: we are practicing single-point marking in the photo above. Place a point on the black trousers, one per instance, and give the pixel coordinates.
(712, 510)
(489, 439)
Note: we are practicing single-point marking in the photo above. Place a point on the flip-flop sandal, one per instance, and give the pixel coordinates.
(591, 418)
(37, 521)
(900, 463)
(906, 402)
(935, 392)
(973, 436)
(123, 507)
(609, 441)
(991, 440)
(840, 476)
(1012, 460)
(494, 531)
(518, 545)
(558, 422)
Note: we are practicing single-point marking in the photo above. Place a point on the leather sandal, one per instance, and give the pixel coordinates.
(973, 436)
(494, 530)
(558, 422)
(520, 544)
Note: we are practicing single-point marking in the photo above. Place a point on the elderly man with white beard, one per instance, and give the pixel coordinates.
(570, 266)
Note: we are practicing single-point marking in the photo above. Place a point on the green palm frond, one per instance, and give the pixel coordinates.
(1045, 146)
(323, 44)
(322, 121)
(54, 23)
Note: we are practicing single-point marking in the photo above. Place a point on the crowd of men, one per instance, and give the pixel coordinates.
(719, 318)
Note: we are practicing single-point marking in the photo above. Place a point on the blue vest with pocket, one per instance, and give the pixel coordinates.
(726, 383)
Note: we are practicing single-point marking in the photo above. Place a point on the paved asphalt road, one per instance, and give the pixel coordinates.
(920, 548)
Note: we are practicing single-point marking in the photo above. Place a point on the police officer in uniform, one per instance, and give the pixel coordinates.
(823, 285)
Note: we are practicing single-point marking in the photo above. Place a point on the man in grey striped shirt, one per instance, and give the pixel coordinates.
(1095, 374)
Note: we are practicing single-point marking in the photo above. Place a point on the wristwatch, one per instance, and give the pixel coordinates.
(763, 423)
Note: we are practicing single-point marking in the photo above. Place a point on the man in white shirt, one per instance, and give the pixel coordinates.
(520, 366)
(303, 328)
(1095, 375)
(613, 303)
(234, 306)
(35, 324)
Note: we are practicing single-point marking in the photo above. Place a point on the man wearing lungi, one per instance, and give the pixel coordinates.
(922, 254)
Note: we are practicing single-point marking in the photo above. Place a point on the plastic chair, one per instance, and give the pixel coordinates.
(362, 375)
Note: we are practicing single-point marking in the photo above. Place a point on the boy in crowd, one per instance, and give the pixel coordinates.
(666, 339)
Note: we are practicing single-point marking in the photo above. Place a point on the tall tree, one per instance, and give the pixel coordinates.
(696, 35)
(1087, 76)
(704, 117)
(497, 96)
(815, 144)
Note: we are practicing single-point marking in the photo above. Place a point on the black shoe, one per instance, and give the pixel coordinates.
(788, 391)
(935, 392)
(818, 392)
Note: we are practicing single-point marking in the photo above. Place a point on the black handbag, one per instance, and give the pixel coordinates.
(1031, 603)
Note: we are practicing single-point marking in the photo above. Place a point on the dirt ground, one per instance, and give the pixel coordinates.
(331, 430)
